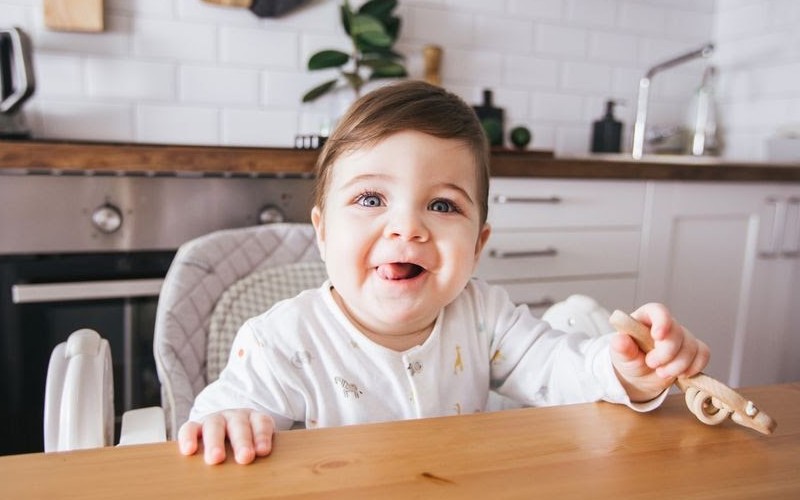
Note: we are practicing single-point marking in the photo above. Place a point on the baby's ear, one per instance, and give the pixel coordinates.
(483, 237)
(319, 229)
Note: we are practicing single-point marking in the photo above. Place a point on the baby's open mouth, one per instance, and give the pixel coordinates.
(399, 271)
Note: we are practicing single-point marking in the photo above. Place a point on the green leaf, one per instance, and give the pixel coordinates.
(373, 38)
(381, 53)
(347, 16)
(392, 27)
(328, 59)
(319, 90)
(379, 9)
(361, 24)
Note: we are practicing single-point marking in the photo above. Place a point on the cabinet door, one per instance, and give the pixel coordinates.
(703, 255)
(771, 347)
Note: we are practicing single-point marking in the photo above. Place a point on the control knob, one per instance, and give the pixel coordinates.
(271, 214)
(107, 218)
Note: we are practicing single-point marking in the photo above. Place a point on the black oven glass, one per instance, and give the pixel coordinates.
(30, 331)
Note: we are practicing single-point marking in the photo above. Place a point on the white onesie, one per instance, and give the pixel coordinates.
(303, 362)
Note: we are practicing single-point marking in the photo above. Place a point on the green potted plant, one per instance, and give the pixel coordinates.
(373, 30)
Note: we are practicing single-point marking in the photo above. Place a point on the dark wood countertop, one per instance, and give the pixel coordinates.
(56, 156)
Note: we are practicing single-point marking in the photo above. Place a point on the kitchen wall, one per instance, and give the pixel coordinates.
(188, 72)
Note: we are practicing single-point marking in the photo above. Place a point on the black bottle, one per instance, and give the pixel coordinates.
(607, 132)
(492, 119)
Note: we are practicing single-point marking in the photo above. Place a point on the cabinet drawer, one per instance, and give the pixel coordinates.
(516, 203)
(523, 255)
(613, 293)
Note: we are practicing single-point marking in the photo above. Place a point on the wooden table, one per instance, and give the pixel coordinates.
(586, 451)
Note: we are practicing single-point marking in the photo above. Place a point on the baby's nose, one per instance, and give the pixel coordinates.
(407, 226)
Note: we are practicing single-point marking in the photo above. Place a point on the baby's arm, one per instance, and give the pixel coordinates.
(676, 353)
(249, 432)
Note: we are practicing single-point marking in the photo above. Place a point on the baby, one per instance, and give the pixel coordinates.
(401, 329)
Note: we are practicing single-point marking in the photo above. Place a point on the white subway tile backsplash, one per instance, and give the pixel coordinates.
(780, 80)
(87, 121)
(590, 77)
(504, 35)
(749, 19)
(561, 41)
(591, 12)
(58, 75)
(132, 80)
(174, 40)
(188, 71)
(573, 138)
(450, 28)
(784, 13)
(690, 25)
(531, 71)
(552, 107)
(275, 49)
(211, 84)
(472, 67)
(286, 89)
(642, 18)
(537, 9)
(16, 15)
(177, 124)
(251, 127)
(609, 46)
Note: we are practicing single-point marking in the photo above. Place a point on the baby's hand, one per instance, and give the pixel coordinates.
(676, 353)
(249, 432)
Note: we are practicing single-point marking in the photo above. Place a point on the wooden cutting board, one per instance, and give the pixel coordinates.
(74, 15)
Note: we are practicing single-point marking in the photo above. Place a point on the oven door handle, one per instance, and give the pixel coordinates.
(85, 290)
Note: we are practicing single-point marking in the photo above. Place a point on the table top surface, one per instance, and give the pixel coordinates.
(588, 450)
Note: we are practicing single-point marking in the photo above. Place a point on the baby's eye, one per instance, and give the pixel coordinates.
(443, 206)
(369, 200)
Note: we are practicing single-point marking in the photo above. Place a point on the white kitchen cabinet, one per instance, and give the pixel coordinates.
(724, 258)
(553, 238)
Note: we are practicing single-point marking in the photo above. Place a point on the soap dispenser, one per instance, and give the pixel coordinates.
(607, 132)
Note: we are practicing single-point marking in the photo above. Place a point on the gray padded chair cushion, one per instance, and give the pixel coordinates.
(250, 297)
(202, 270)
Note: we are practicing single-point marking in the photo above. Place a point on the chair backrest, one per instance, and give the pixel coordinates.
(203, 270)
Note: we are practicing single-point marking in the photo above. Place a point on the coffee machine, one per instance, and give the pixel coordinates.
(16, 82)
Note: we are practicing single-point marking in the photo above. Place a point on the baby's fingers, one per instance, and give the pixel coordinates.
(214, 439)
(240, 434)
(187, 437)
(263, 426)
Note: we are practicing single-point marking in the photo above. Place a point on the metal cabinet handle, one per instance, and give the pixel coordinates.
(516, 254)
(791, 229)
(85, 290)
(773, 209)
(501, 198)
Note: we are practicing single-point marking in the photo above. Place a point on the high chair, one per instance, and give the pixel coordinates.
(213, 285)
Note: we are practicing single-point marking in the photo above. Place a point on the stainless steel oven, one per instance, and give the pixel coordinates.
(85, 250)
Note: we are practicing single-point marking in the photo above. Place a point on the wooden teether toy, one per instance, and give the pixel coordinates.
(709, 399)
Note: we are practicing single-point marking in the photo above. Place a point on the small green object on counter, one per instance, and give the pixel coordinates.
(494, 131)
(520, 136)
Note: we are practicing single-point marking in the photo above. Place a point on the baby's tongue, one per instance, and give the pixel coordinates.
(395, 270)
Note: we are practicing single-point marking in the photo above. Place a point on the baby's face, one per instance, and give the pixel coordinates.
(401, 231)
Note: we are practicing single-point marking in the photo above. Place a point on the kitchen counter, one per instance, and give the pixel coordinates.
(149, 159)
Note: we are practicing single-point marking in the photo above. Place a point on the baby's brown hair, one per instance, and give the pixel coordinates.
(407, 105)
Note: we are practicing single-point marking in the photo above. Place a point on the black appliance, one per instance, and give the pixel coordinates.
(17, 82)
(84, 250)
